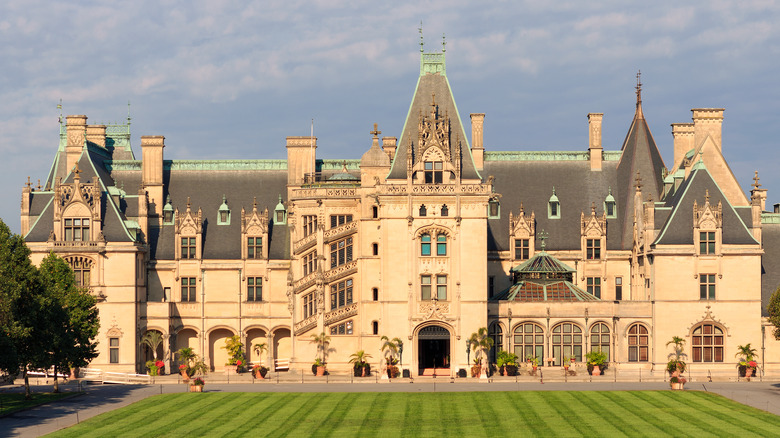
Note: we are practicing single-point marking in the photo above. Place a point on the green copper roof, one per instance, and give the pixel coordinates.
(544, 290)
(202, 165)
(547, 155)
(542, 262)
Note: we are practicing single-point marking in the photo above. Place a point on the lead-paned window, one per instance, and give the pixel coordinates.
(81, 271)
(594, 286)
(309, 305)
(254, 247)
(340, 252)
(341, 294)
(441, 287)
(522, 249)
(113, 350)
(441, 245)
(497, 334)
(339, 219)
(77, 229)
(188, 289)
(707, 286)
(425, 244)
(707, 242)
(309, 224)
(425, 287)
(529, 341)
(566, 342)
(600, 339)
(254, 287)
(309, 263)
(593, 249)
(188, 247)
(434, 172)
(638, 343)
(707, 343)
(345, 328)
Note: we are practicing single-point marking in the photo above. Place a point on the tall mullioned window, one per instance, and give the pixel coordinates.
(707, 286)
(441, 245)
(593, 249)
(188, 247)
(522, 249)
(309, 305)
(77, 230)
(309, 263)
(113, 350)
(707, 242)
(340, 252)
(254, 289)
(254, 247)
(707, 343)
(425, 244)
(188, 289)
(339, 219)
(599, 338)
(309, 224)
(594, 286)
(341, 294)
(81, 270)
(638, 343)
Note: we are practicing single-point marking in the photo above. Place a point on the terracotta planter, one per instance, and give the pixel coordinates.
(196, 388)
(596, 371)
(677, 386)
(184, 376)
(320, 371)
(566, 367)
(259, 375)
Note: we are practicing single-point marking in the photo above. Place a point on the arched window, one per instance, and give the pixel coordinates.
(707, 343)
(599, 338)
(566, 342)
(423, 210)
(82, 268)
(638, 343)
(441, 245)
(445, 211)
(425, 244)
(497, 334)
(529, 341)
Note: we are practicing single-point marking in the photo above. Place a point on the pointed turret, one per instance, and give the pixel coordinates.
(640, 155)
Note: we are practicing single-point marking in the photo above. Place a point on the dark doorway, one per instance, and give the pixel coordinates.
(433, 349)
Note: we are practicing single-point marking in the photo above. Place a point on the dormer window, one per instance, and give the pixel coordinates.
(434, 171)
(168, 212)
(610, 206)
(254, 247)
(280, 213)
(706, 242)
(223, 215)
(553, 207)
(188, 248)
(494, 209)
(77, 230)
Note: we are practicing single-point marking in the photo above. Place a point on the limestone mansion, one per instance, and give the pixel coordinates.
(427, 237)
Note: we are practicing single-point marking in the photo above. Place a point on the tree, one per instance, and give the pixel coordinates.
(481, 343)
(72, 322)
(773, 309)
(20, 292)
(152, 339)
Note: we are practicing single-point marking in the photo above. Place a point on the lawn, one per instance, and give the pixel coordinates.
(13, 402)
(553, 413)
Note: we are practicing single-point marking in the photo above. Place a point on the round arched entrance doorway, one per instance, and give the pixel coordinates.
(433, 351)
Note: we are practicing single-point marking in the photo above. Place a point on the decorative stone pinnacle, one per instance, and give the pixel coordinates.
(756, 185)
(707, 196)
(593, 207)
(421, 36)
(638, 180)
(254, 204)
(638, 87)
(188, 203)
(443, 43)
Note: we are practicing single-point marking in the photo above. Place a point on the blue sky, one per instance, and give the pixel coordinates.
(232, 79)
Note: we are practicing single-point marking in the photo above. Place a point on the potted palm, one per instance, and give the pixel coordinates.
(390, 348)
(322, 340)
(480, 343)
(597, 362)
(259, 370)
(676, 367)
(152, 339)
(359, 361)
(235, 349)
(747, 364)
(192, 365)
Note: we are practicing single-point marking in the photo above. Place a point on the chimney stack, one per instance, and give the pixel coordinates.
(595, 151)
(477, 148)
(389, 145)
(97, 134)
(707, 122)
(152, 171)
(76, 129)
(683, 141)
(301, 159)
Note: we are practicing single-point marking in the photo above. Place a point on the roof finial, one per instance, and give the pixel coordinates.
(756, 185)
(443, 43)
(638, 180)
(639, 114)
(543, 236)
(128, 113)
(59, 107)
(707, 196)
(76, 169)
(254, 204)
(593, 207)
(421, 36)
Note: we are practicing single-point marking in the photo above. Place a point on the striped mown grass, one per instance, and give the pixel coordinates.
(542, 413)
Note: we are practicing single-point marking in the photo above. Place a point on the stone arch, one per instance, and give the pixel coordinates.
(281, 347)
(146, 353)
(433, 344)
(217, 354)
(257, 335)
(187, 337)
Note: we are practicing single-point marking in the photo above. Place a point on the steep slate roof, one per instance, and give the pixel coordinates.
(529, 178)
(433, 80)
(678, 228)
(641, 155)
(770, 268)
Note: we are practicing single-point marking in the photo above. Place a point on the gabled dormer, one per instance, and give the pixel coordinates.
(77, 208)
(254, 233)
(522, 235)
(593, 234)
(189, 233)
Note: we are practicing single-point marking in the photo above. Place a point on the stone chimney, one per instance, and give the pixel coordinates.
(152, 171)
(389, 145)
(477, 148)
(97, 134)
(707, 122)
(595, 151)
(301, 159)
(683, 141)
(76, 129)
